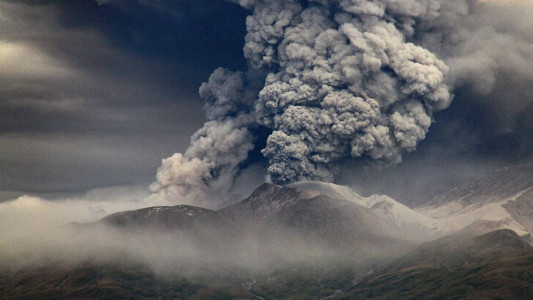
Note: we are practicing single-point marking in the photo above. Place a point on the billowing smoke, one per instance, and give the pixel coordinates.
(332, 81)
(216, 150)
(489, 49)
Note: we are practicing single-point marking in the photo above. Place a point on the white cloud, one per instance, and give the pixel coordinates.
(32, 215)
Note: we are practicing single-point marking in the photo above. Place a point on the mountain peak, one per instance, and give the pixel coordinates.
(265, 188)
(265, 201)
(160, 216)
(312, 189)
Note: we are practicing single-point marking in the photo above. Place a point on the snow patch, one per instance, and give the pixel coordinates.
(414, 224)
(436, 220)
(453, 216)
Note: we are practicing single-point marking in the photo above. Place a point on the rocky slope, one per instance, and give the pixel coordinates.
(502, 200)
(505, 183)
(462, 249)
(326, 218)
(496, 265)
(402, 221)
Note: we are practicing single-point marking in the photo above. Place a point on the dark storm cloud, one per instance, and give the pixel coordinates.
(94, 95)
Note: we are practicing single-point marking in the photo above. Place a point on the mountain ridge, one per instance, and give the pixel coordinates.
(307, 240)
(504, 197)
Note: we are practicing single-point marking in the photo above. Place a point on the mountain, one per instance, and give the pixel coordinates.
(504, 183)
(327, 218)
(401, 221)
(194, 226)
(306, 240)
(330, 203)
(334, 215)
(339, 226)
(264, 202)
(182, 217)
(503, 199)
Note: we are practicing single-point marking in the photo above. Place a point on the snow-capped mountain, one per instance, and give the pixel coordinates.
(338, 215)
(502, 200)
(326, 216)
(336, 207)
(403, 222)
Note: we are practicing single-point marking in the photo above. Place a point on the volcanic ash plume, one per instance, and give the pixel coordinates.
(342, 83)
(216, 150)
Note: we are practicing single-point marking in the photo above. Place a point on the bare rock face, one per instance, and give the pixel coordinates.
(502, 184)
(322, 216)
(501, 200)
(522, 209)
(164, 217)
(264, 202)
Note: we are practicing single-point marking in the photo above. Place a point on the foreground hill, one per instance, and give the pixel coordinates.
(508, 278)
(462, 249)
(496, 265)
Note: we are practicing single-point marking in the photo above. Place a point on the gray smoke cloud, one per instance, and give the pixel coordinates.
(338, 80)
(212, 159)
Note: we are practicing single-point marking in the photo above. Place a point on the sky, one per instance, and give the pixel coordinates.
(94, 94)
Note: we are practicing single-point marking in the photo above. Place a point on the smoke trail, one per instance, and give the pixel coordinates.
(216, 150)
(346, 79)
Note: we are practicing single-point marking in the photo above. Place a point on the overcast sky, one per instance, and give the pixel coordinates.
(96, 93)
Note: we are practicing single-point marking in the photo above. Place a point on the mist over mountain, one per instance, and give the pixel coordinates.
(308, 238)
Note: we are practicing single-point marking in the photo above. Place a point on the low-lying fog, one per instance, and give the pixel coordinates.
(36, 232)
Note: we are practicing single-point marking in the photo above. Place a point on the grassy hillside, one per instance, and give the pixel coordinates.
(506, 278)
